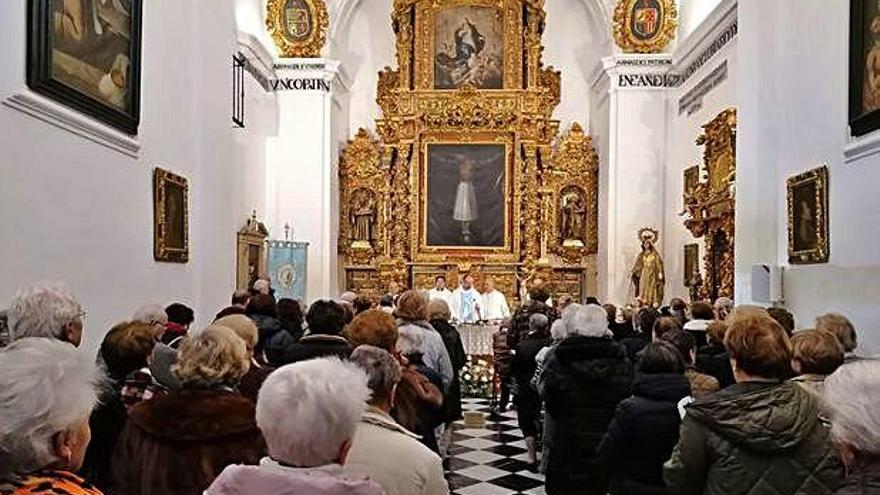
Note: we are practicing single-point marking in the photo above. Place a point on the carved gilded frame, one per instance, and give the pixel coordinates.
(419, 241)
(819, 253)
(511, 12)
(313, 43)
(162, 248)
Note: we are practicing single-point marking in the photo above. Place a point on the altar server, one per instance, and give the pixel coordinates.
(440, 291)
(494, 303)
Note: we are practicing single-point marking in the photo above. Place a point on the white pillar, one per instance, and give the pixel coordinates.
(632, 175)
(300, 168)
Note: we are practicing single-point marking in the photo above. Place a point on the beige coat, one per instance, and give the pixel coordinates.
(394, 458)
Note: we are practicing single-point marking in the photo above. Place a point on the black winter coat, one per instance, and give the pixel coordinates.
(634, 344)
(458, 357)
(106, 422)
(584, 380)
(523, 365)
(642, 435)
(311, 347)
(714, 360)
(267, 328)
(519, 322)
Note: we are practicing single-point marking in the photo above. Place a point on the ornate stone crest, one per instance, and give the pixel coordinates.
(299, 27)
(645, 26)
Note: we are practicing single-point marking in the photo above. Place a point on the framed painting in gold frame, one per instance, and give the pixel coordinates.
(465, 197)
(475, 43)
(808, 239)
(170, 217)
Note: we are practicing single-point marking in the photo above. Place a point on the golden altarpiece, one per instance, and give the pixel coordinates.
(468, 172)
(710, 206)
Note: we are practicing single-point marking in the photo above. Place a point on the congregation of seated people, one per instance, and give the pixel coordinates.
(359, 396)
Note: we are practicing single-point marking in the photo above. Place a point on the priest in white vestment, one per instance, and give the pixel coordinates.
(440, 291)
(466, 302)
(494, 303)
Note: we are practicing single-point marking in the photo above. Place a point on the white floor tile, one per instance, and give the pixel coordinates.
(477, 443)
(479, 456)
(475, 432)
(483, 473)
(485, 489)
(529, 474)
(539, 490)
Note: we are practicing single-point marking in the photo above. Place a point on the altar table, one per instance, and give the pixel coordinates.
(477, 339)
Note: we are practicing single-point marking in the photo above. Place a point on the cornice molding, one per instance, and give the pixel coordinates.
(715, 32)
(42, 108)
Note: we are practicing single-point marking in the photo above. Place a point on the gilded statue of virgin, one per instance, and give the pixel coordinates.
(648, 277)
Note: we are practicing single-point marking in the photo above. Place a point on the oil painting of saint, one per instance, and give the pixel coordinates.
(469, 48)
(871, 92)
(805, 217)
(91, 48)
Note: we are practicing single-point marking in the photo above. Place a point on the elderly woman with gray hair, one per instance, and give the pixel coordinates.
(585, 376)
(308, 412)
(46, 310)
(853, 395)
(178, 443)
(47, 392)
(383, 449)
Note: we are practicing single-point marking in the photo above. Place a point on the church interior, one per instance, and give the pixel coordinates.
(525, 164)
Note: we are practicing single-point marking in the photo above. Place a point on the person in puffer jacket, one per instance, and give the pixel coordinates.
(761, 435)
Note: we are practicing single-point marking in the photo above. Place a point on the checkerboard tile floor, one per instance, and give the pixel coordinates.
(490, 460)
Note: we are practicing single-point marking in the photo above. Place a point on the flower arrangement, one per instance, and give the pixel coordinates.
(477, 378)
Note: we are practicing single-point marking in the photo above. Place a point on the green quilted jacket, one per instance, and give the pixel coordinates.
(754, 439)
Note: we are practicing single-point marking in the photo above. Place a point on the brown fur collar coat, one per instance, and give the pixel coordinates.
(178, 443)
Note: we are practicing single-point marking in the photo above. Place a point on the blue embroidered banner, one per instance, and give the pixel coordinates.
(288, 266)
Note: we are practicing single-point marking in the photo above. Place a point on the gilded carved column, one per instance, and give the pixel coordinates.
(401, 204)
(530, 211)
(401, 21)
